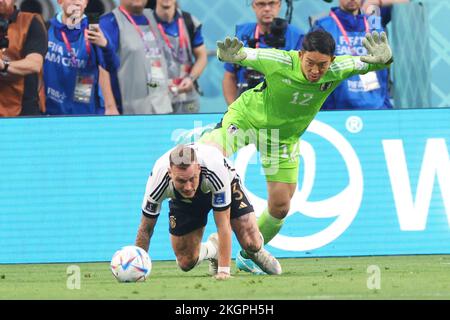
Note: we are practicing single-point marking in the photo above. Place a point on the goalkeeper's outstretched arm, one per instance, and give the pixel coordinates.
(262, 60)
(230, 50)
(378, 49)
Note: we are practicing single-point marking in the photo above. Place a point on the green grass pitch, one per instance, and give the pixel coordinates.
(400, 277)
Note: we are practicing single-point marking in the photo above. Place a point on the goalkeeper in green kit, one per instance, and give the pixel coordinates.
(278, 111)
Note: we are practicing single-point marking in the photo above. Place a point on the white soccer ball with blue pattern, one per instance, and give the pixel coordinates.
(131, 264)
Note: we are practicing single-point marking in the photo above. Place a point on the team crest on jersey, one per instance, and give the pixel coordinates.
(172, 222)
(325, 86)
(232, 129)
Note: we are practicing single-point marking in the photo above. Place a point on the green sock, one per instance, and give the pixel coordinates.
(269, 226)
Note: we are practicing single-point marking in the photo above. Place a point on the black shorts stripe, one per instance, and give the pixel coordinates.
(240, 204)
(163, 181)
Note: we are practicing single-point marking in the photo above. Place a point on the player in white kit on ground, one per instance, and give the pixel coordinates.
(197, 178)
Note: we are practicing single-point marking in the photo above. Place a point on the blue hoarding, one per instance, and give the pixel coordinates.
(370, 183)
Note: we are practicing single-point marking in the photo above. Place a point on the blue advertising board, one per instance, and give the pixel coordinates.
(370, 183)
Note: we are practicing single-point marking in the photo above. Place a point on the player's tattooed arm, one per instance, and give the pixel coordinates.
(145, 232)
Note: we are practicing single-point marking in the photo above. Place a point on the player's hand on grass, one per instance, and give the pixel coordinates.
(378, 49)
(222, 276)
(230, 50)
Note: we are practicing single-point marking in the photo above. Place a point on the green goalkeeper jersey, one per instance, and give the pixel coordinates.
(286, 100)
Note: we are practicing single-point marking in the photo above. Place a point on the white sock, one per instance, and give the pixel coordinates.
(207, 251)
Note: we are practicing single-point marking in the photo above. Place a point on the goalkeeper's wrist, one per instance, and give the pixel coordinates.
(218, 55)
(226, 270)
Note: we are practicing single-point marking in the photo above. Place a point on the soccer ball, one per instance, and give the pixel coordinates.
(131, 264)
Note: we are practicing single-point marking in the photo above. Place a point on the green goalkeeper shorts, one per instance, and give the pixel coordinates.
(279, 158)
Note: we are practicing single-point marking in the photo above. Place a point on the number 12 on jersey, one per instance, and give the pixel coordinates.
(301, 99)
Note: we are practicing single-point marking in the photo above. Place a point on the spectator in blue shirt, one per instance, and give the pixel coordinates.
(76, 53)
(383, 6)
(159, 59)
(267, 32)
(185, 52)
(348, 25)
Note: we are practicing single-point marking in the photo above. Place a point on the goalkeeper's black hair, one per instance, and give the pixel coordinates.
(319, 40)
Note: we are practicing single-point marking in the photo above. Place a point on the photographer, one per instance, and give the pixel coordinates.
(268, 32)
(23, 44)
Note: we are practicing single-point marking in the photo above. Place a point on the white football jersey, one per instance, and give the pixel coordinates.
(216, 176)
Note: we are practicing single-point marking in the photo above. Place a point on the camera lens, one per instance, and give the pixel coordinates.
(277, 38)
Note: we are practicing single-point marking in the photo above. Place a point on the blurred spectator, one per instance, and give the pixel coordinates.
(384, 6)
(185, 54)
(142, 81)
(348, 27)
(71, 67)
(31, 6)
(139, 81)
(23, 44)
(267, 32)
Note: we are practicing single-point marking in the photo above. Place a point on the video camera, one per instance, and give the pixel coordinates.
(275, 39)
(4, 41)
(277, 36)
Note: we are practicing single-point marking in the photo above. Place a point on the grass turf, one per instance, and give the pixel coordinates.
(401, 277)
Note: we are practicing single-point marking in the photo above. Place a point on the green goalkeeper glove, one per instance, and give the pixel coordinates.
(378, 49)
(230, 50)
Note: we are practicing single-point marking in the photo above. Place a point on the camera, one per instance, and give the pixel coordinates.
(4, 42)
(253, 78)
(275, 39)
(277, 36)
